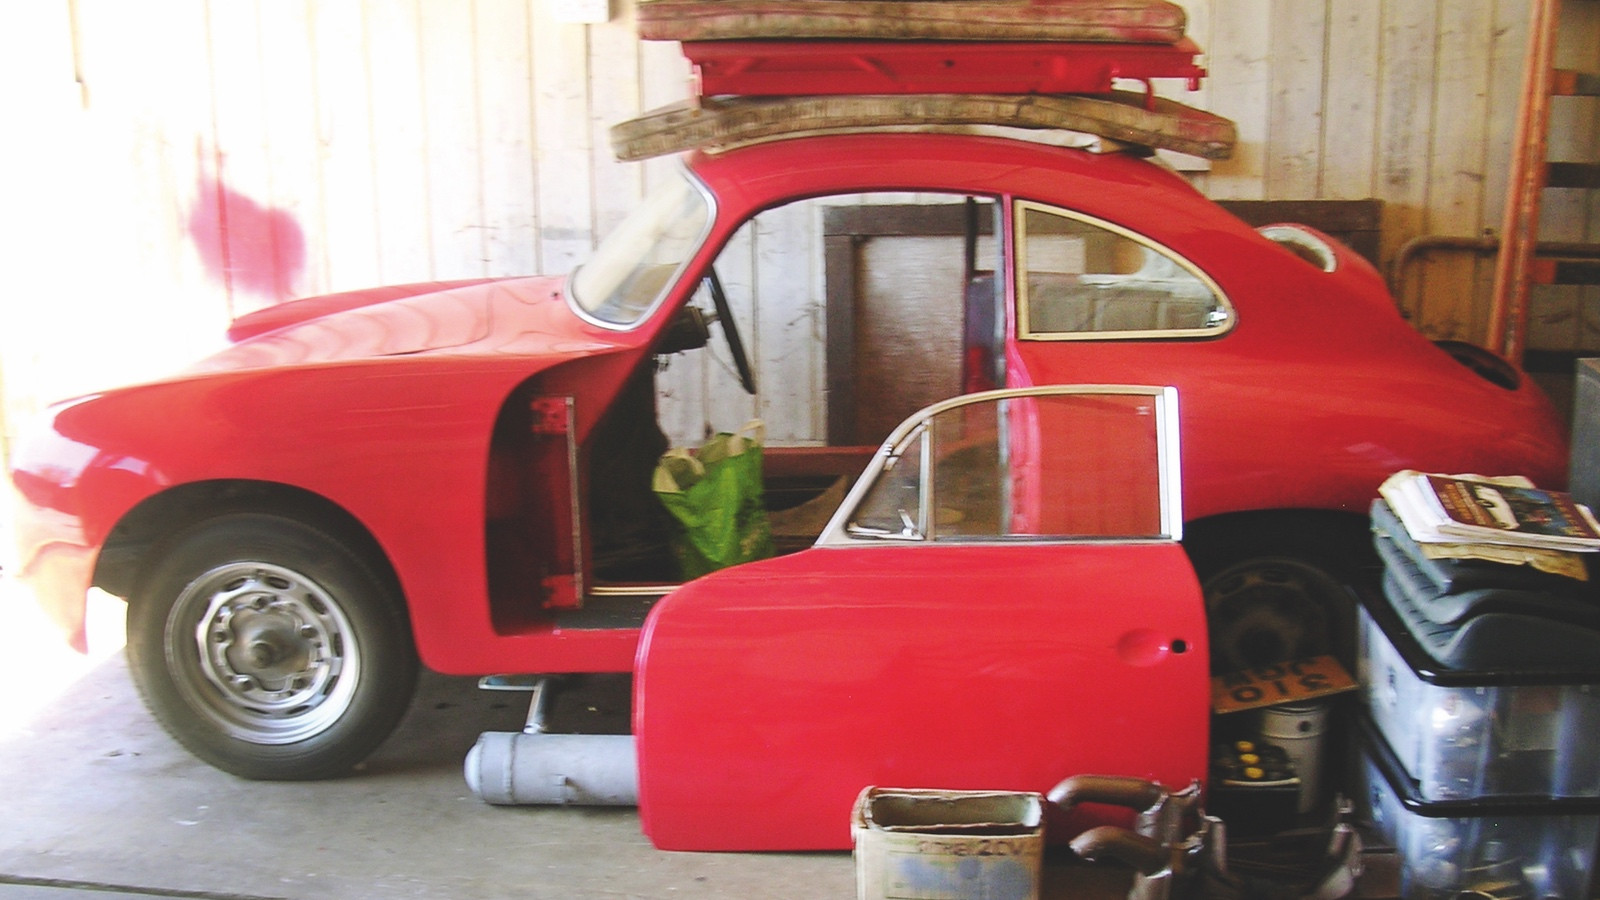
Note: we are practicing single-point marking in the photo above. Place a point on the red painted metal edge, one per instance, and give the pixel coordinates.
(790, 68)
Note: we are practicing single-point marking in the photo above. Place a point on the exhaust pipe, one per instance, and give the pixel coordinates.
(510, 768)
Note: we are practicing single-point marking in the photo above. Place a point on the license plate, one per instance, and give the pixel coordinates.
(1289, 682)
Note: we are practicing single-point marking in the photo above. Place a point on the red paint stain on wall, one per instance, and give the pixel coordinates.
(247, 247)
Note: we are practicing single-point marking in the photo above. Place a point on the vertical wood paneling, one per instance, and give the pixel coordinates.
(399, 159)
(1297, 37)
(504, 63)
(1456, 176)
(453, 146)
(1350, 110)
(289, 121)
(348, 251)
(255, 164)
(1405, 103)
(53, 212)
(614, 96)
(165, 93)
(1240, 88)
(1509, 41)
(562, 137)
(790, 315)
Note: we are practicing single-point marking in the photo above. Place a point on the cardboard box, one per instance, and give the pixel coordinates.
(947, 845)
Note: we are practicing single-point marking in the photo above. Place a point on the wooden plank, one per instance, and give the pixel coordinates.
(349, 253)
(1349, 136)
(1407, 73)
(1296, 107)
(724, 122)
(238, 183)
(130, 171)
(452, 139)
(1508, 43)
(36, 49)
(680, 388)
(1239, 88)
(788, 316)
(504, 64)
(292, 151)
(168, 99)
(562, 147)
(399, 162)
(231, 159)
(1456, 179)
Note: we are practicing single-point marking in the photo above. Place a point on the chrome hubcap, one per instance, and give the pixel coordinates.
(263, 652)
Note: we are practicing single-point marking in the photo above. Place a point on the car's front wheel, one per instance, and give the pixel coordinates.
(270, 649)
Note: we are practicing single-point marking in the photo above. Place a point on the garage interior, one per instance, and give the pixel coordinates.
(197, 160)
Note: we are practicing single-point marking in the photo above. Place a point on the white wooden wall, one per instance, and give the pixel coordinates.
(170, 164)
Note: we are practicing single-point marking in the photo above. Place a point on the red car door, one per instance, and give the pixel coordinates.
(943, 632)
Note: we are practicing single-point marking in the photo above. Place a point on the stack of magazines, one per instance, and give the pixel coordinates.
(1474, 510)
(1489, 572)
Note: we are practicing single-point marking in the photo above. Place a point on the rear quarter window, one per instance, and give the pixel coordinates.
(1081, 278)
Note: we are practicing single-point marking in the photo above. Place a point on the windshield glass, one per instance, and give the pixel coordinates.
(635, 264)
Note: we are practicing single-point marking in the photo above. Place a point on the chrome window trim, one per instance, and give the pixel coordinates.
(1020, 207)
(1169, 473)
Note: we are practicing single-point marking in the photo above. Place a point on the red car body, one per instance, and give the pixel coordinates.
(1319, 392)
(400, 418)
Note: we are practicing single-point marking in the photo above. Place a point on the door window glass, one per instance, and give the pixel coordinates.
(1051, 463)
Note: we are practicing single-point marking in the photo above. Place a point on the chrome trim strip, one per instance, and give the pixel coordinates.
(633, 590)
(576, 499)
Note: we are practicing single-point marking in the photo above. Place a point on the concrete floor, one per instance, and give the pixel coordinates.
(97, 801)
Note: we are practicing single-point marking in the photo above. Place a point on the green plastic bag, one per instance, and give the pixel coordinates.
(715, 494)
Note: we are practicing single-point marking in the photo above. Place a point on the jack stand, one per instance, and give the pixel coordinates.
(540, 688)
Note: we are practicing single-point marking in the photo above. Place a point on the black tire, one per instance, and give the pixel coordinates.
(1279, 590)
(270, 649)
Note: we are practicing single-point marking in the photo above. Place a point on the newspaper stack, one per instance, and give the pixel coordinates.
(1488, 572)
(1506, 511)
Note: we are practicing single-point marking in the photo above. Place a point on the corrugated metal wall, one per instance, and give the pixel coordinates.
(188, 161)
